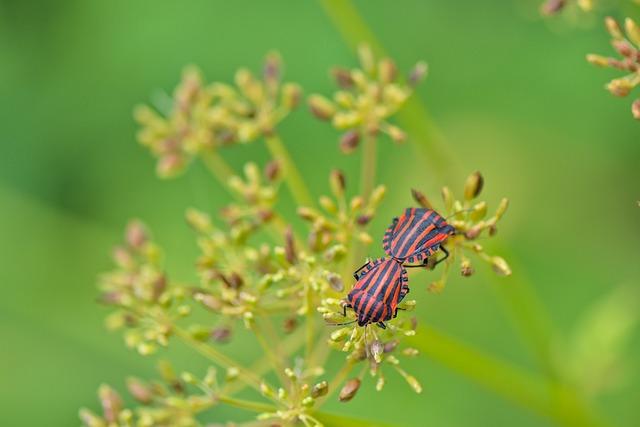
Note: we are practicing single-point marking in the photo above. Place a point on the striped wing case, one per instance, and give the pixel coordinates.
(381, 285)
(416, 235)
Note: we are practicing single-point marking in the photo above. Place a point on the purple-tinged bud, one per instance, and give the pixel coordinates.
(349, 141)
(389, 346)
(111, 403)
(635, 109)
(289, 246)
(290, 324)
(551, 7)
(221, 334)
(343, 78)
(418, 73)
(139, 390)
(272, 170)
(364, 219)
(321, 107)
(136, 235)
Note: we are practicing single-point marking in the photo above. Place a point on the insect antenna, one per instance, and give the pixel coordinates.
(457, 212)
(341, 324)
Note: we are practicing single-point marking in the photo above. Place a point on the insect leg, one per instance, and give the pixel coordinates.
(355, 273)
(381, 325)
(446, 255)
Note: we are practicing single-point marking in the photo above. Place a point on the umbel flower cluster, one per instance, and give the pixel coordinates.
(627, 45)
(258, 275)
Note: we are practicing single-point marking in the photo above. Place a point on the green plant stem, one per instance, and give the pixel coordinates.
(368, 168)
(546, 398)
(414, 116)
(218, 358)
(532, 323)
(268, 348)
(290, 345)
(218, 167)
(335, 382)
(309, 324)
(292, 175)
(248, 405)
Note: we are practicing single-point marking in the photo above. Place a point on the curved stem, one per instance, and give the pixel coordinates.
(218, 358)
(538, 394)
(292, 175)
(217, 166)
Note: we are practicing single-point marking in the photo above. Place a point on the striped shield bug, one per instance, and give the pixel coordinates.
(381, 285)
(416, 235)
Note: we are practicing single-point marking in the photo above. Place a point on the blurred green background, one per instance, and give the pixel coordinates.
(510, 91)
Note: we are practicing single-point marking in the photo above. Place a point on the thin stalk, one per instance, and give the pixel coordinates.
(414, 116)
(292, 175)
(218, 167)
(248, 405)
(539, 395)
(309, 324)
(290, 345)
(268, 348)
(335, 382)
(218, 358)
(533, 323)
(368, 168)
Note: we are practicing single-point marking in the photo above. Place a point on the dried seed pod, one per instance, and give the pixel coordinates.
(320, 389)
(349, 390)
(421, 199)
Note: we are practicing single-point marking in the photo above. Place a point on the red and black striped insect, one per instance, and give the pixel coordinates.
(381, 285)
(416, 235)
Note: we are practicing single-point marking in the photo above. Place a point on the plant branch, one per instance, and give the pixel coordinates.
(218, 358)
(248, 405)
(547, 398)
(292, 175)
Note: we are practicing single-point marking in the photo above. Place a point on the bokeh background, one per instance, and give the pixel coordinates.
(510, 92)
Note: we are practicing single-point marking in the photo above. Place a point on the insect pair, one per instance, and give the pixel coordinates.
(381, 284)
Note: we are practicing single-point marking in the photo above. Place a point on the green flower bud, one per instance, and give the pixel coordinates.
(633, 31)
(321, 107)
(473, 186)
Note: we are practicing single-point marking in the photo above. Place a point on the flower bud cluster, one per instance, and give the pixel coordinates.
(138, 288)
(205, 117)
(380, 349)
(470, 219)
(367, 97)
(627, 45)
